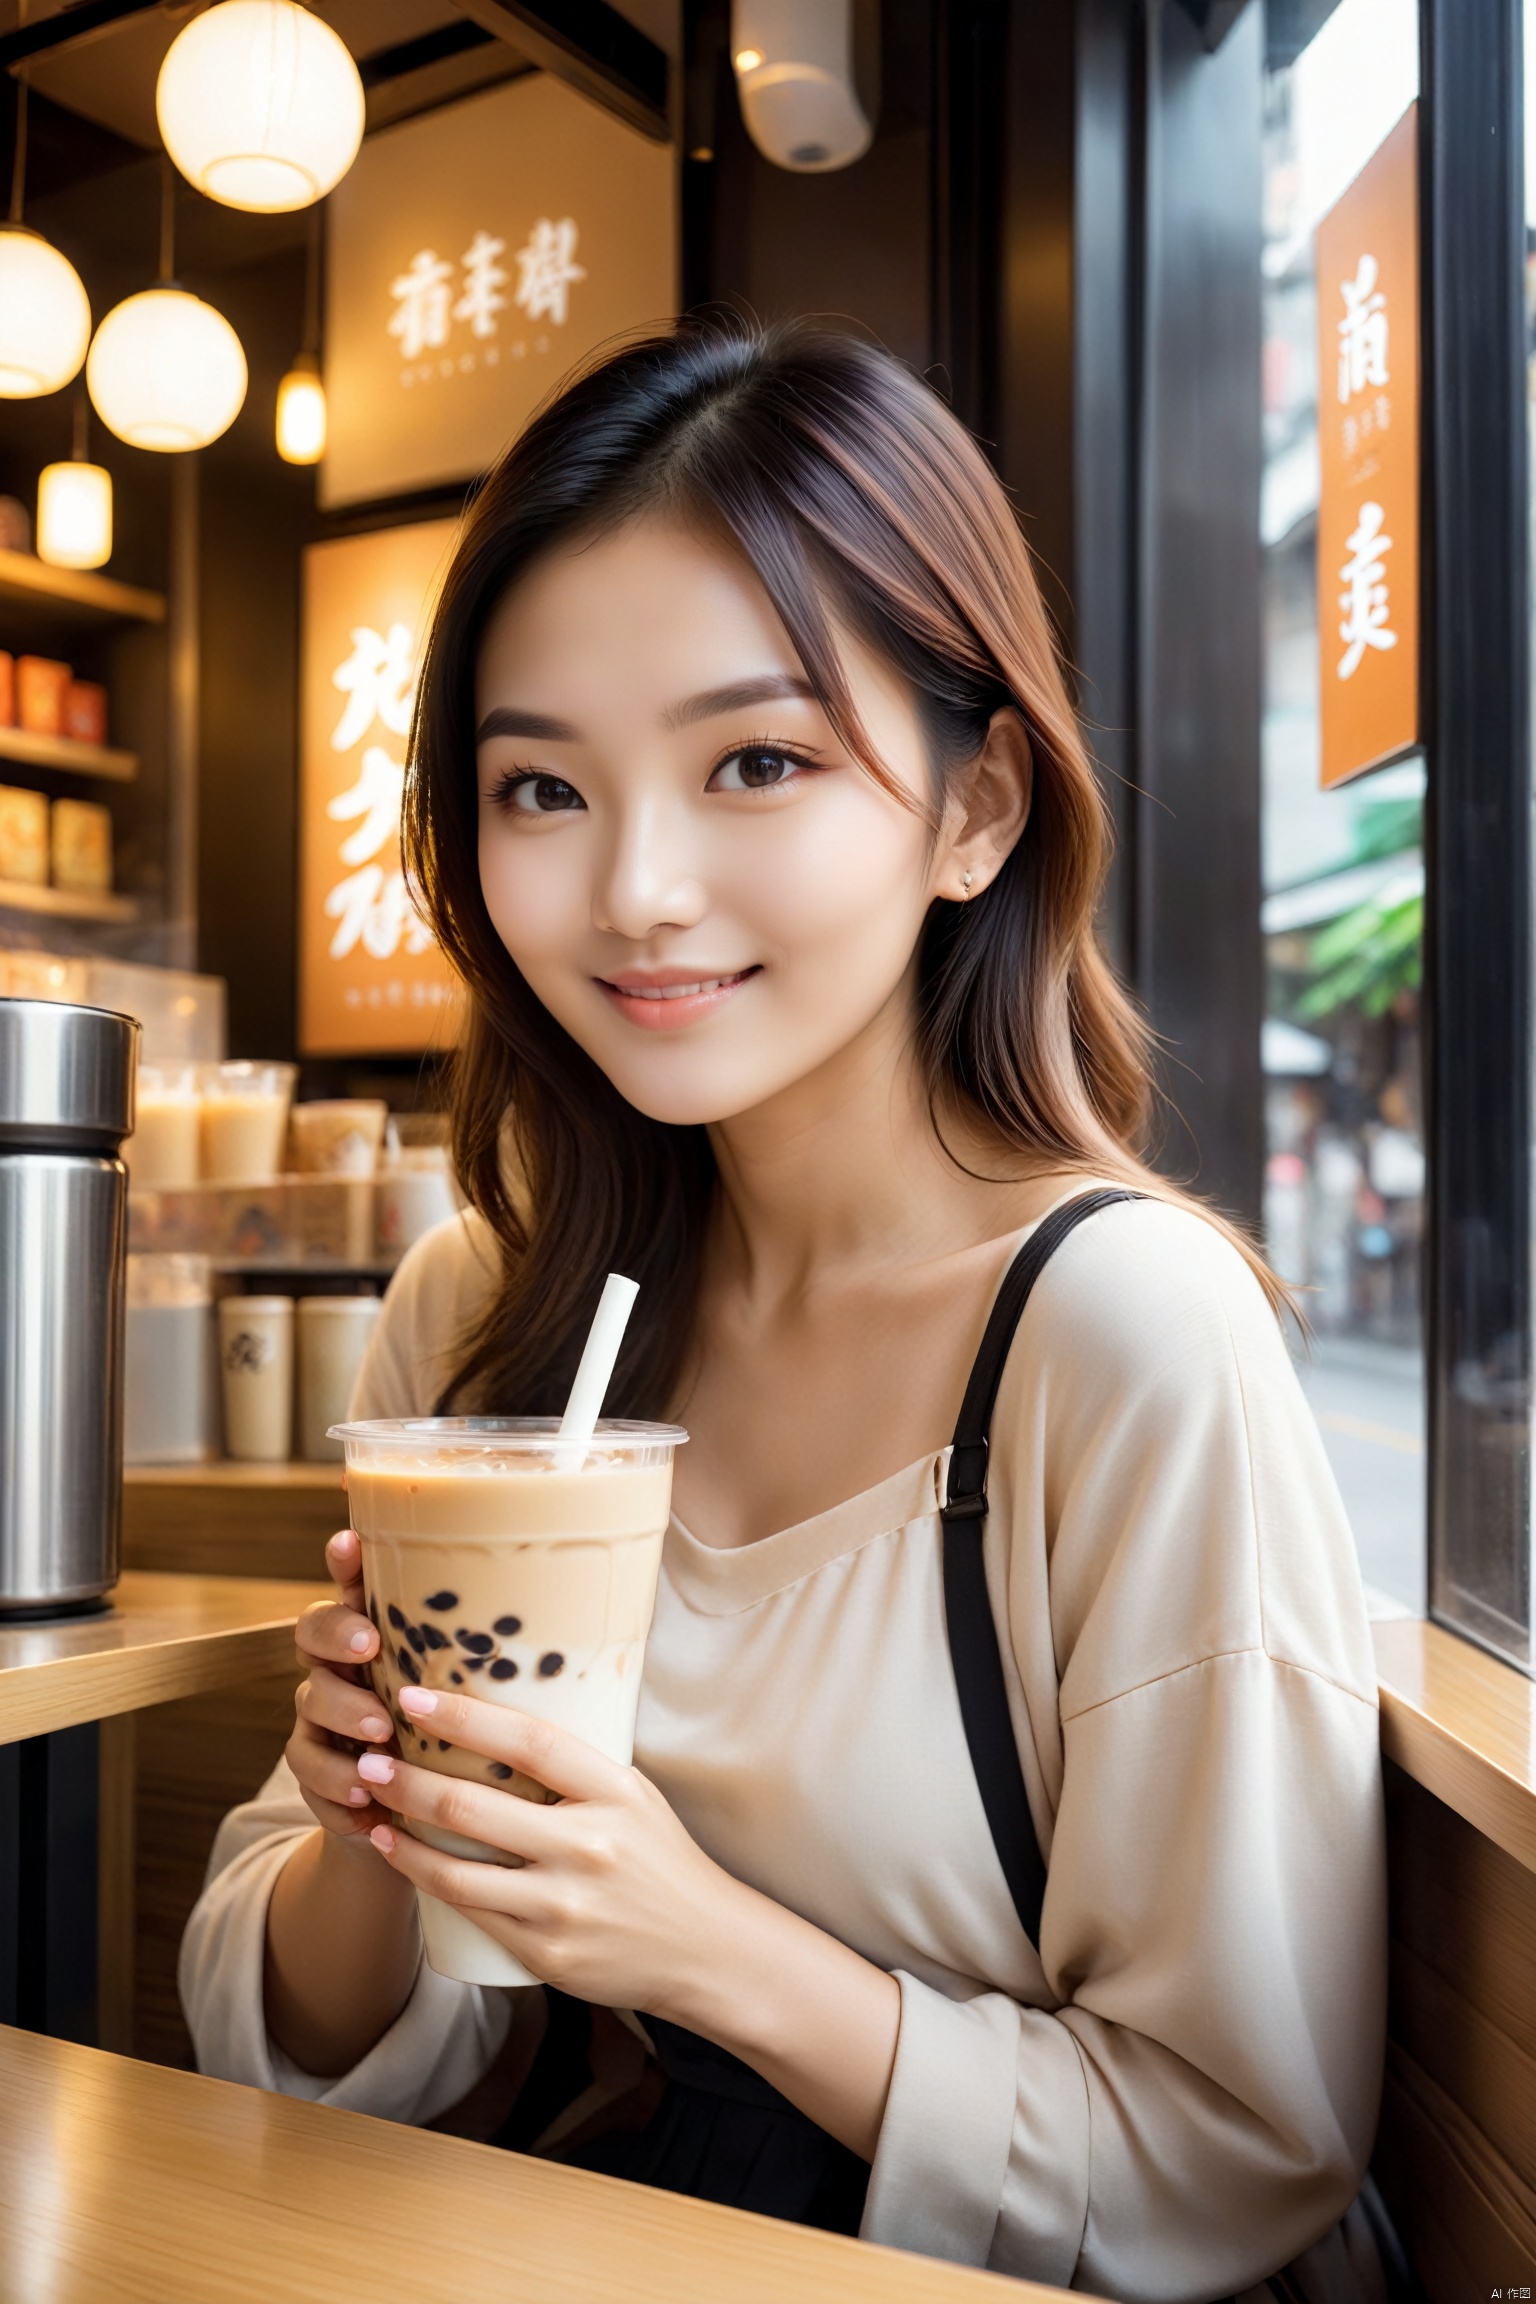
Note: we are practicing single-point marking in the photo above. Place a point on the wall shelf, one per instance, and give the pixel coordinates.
(74, 595)
(69, 753)
(65, 903)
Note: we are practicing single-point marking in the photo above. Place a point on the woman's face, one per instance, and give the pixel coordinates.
(693, 875)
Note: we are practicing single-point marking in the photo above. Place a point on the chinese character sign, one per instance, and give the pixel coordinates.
(371, 977)
(475, 255)
(1368, 451)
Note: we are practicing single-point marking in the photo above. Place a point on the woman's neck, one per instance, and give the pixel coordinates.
(846, 1168)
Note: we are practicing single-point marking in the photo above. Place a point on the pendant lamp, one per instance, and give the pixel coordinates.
(301, 420)
(166, 370)
(260, 104)
(74, 505)
(45, 315)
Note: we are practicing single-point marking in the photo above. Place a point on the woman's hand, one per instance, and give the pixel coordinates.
(613, 1901)
(336, 1706)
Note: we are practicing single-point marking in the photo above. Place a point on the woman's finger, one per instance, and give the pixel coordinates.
(336, 1634)
(525, 1828)
(328, 1780)
(501, 1888)
(343, 1707)
(344, 1563)
(552, 1756)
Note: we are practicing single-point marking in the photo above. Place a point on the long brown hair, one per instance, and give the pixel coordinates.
(854, 495)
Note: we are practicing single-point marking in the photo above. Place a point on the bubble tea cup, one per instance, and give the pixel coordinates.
(500, 1561)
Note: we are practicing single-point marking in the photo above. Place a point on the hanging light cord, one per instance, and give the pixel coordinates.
(19, 158)
(167, 219)
(312, 283)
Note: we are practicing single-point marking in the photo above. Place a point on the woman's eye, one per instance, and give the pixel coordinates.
(538, 795)
(756, 768)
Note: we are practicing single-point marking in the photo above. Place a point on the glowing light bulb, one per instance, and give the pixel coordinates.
(45, 315)
(301, 413)
(166, 370)
(260, 104)
(748, 59)
(74, 515)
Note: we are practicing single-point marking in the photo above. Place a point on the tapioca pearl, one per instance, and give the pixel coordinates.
(431, 1636)
(424, 1745)
(457, 1678)
(396, 1617)
(373, 1611)
(417, 1638)
(508, 1626)
(407, 1664)
(551, 1664)
(503, 1669)
(474, 1663)
(499, 1768)
(442, 1743)
(477, 1643)
(442, 1602)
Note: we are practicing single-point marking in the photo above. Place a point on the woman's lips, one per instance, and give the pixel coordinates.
(668, 1000)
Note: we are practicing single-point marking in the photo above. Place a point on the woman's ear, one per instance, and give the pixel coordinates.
(987, 811)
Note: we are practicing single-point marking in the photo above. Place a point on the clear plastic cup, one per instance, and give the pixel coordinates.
(162, 1152)
(244, 1121)
(501, 1563)
(339, 1137)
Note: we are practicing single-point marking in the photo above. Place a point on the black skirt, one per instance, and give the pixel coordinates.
(718, 2131)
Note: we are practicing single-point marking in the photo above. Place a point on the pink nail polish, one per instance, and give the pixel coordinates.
(358, 1796)
(359, 1642)
(418, 1701)
(373, 1727)
(383, 1839)
(376, 1768)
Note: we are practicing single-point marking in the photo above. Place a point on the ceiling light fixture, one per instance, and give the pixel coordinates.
(45, 314)
(301, 416)
(74, 505)
(794, 75)
(166, 370)
(260, 105)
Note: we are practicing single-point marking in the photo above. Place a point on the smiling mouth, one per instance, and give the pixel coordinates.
(660, 1005)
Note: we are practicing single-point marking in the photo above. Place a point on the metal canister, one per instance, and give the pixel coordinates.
(66, 1103)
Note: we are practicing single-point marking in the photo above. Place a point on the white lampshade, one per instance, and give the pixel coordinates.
(166, 370)
(260, 104)
(301, 414)
(74, 515)
(45, 315)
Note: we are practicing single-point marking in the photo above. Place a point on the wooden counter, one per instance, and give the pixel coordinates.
(231, 1519)
(163, 1637)
(123, 2180)
(1463, 1725)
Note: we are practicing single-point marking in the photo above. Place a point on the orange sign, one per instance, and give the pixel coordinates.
(1368, 447)
(371, 978)
(474, 255)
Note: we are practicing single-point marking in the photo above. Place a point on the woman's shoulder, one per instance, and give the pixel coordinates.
(1152, 1287)
(442, 1289)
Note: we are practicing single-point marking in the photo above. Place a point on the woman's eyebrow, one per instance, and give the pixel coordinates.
(765, 690)
(504, 721)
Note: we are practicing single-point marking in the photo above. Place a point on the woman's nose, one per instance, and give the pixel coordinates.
(651, 880)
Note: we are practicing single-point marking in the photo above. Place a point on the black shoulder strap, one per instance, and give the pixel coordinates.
(973, 1644)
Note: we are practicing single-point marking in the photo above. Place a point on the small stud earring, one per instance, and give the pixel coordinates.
(965, 881)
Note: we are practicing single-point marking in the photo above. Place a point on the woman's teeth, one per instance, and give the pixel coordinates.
(678, 991)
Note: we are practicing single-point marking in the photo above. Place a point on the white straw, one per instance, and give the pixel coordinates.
(597, 1364)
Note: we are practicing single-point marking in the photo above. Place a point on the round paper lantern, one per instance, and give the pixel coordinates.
(301, 413)
(74, 515)
(45, 316)
(260, 104)
(166, 371)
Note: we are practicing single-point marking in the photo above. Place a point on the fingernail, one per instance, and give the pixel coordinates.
(383, 1839)
(372, 1727)
(417, 1701)
(359, 1641)
(358, 1796)
(376, 1768)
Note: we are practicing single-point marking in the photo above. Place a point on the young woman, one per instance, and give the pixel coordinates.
(748, 800)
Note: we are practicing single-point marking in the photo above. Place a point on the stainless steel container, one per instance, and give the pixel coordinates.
(66, 1103)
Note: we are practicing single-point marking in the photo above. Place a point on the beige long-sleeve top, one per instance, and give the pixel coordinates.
(1178, 2093)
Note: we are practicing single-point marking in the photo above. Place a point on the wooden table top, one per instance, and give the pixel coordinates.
(1463, 1725)
(164, 1636)
(130, 2181)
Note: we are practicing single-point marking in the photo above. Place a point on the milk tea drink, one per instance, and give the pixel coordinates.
(499, 1563)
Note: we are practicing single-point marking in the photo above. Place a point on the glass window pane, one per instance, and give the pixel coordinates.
(1343, 869)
